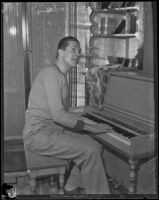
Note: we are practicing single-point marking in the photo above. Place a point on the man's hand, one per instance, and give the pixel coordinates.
(88, 121)
(98, 128)
(104, 127)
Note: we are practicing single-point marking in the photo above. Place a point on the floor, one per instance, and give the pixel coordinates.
(43, 186)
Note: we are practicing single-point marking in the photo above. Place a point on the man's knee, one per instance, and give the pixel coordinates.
(94, 149)
(89, 152)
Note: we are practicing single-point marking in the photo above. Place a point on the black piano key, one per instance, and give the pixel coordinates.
(123, 132)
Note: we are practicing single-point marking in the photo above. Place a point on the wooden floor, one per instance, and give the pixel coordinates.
(43, 185)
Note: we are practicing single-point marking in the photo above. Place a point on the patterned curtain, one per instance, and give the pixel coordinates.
(79, 27)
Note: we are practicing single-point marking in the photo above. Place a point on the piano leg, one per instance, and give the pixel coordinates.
(133, 176)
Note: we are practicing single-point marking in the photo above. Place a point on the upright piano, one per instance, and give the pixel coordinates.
(130, 149)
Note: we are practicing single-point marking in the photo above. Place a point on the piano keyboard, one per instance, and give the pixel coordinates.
(122, 124)
(121, 138)
(117, 127)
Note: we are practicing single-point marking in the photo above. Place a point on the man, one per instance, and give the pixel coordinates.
(51, 130)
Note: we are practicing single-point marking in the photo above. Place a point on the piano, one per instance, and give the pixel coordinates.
(128, 107)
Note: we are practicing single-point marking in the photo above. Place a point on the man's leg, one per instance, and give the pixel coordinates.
(88, 172)
(83, 150)
(91, 179)
(93, 174)
(74, 180)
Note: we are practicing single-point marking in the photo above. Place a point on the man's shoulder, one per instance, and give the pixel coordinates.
(51, 74)
(47, 71)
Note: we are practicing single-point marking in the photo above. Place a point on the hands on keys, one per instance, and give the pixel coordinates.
(104, 127)
(97, 128)
(88, 121)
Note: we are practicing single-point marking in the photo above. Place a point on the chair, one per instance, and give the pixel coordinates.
(38, 166)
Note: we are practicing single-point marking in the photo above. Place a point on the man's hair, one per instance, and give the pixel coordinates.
(64, 42)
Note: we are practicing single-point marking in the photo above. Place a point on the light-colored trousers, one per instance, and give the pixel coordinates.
(88, 171)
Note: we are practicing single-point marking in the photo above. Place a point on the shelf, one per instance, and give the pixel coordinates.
(117, 10)
(118, 28)
(123, 36)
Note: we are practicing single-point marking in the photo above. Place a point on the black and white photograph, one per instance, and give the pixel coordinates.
(79, 100)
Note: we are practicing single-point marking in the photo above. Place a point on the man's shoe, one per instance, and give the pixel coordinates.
(81, 190)
(75, 191)
(78, 190)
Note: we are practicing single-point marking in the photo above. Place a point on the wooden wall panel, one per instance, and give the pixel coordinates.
(14, 94)
(46, 28)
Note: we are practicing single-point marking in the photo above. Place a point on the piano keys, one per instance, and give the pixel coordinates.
(125, 139)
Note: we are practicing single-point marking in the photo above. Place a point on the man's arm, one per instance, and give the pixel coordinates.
(53, 85)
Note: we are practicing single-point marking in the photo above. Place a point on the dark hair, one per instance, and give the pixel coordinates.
(64, 42)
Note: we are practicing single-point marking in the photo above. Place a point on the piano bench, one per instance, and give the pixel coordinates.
(38, 166)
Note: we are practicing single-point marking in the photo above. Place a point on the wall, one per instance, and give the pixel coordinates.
(148, 64)
(31, 32)
(46, 27)
(13, 71)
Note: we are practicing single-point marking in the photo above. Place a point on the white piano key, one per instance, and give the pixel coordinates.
(120, 137)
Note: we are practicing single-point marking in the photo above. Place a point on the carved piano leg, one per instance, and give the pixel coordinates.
(61, 182)
(133, 176)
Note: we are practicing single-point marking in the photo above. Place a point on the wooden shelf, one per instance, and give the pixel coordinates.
(126, 22)
(120, 36)
(117, 10)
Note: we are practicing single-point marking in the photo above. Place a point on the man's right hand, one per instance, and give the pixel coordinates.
(98, 128)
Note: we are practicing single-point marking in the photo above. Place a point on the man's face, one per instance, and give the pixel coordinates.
(71, 54)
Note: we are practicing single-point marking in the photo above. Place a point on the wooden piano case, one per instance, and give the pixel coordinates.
(119, 172)
(129, 99)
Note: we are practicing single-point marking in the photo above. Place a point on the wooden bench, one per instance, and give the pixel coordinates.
(38, 166)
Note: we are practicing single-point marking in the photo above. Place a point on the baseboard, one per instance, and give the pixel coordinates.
(14, 155)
